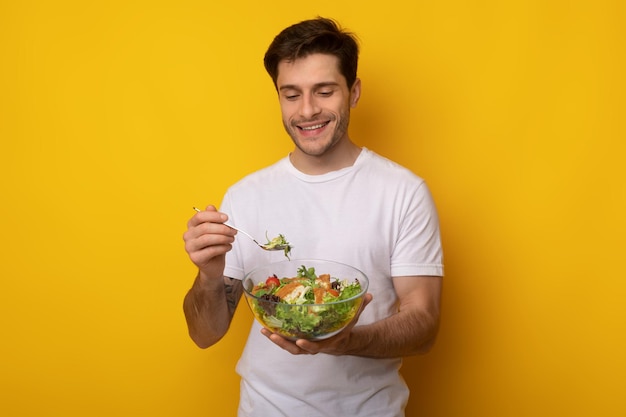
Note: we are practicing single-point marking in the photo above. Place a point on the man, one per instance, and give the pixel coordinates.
(332, 200)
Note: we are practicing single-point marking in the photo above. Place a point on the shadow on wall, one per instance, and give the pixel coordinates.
(443, 371)
(374, 122)
(402, 128)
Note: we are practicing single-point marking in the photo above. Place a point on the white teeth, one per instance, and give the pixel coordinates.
(314, 127)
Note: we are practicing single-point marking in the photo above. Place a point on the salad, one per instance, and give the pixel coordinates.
(307, 305)
(279, 242)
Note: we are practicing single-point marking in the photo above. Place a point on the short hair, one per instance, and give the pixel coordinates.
(319, 35)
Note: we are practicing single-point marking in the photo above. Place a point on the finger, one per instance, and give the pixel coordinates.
(210, 207)
(309, 347)
(313, 348)
(283, 343)
(367, 298)
(204, 256)
(196, 240)
(205, 229)
(210, 215)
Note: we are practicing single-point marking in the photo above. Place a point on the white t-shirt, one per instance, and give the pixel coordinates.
(376, 216)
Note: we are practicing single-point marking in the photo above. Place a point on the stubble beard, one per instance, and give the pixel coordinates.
(318, 148)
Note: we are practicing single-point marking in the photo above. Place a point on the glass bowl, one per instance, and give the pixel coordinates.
(304, 307)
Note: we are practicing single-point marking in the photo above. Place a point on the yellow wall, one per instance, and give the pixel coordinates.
(117, 117)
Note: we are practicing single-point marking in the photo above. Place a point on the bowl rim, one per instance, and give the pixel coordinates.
(363, 291)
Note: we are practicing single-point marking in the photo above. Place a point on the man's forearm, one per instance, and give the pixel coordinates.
(406, 333)
(209, 307)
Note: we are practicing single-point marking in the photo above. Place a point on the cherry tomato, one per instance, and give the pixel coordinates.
(272, 281)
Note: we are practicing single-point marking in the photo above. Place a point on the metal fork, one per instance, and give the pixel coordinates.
(264, 247)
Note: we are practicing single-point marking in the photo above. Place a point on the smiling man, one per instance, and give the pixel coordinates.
(315, 102)
(337, 201)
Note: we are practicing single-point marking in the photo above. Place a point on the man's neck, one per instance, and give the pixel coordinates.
(341, 156)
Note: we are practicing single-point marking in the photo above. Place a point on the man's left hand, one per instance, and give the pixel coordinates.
(336, 345)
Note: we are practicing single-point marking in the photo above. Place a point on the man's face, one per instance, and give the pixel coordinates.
(315, 102)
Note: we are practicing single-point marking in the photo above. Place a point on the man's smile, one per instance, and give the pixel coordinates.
(313, 127)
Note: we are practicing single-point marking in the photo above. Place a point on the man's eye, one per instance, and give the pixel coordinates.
(325, 93)
(292, 96)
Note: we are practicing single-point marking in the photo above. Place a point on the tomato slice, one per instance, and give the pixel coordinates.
(272, 281)
(333, 292)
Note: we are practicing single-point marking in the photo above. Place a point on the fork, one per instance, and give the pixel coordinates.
(264, 247)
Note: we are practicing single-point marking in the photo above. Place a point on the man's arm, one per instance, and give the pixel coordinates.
(210, 303)
(209, 307)
(410, 331)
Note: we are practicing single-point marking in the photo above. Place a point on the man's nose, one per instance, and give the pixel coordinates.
(309, 107)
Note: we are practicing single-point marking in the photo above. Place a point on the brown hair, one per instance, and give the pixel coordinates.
(320, 35)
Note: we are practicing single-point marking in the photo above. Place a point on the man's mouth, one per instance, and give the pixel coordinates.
(313, 127)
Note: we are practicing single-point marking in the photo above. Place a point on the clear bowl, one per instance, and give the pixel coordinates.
(304, 321)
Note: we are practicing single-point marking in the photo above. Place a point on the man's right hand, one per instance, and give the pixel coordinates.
(207, 240)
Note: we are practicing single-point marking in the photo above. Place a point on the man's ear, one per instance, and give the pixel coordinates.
(355, 93)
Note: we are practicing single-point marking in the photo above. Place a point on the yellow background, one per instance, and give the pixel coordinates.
(117, 117)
